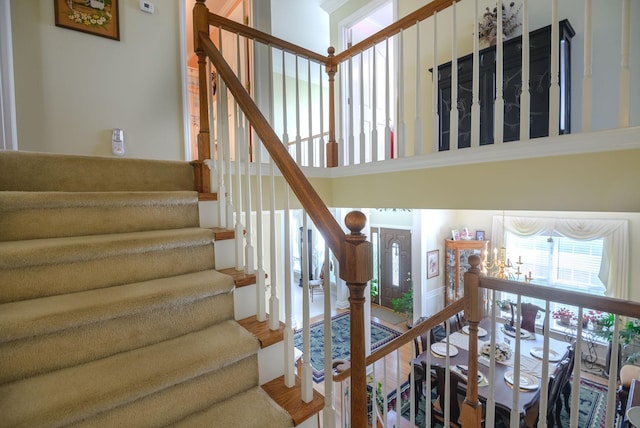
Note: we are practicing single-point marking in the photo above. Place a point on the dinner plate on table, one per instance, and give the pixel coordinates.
(481, 331)
(538, 352)
(440, 348)
(527, 381)
(523, 333)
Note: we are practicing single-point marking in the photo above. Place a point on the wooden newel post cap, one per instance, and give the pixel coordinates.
(355, 222)
(474, 261)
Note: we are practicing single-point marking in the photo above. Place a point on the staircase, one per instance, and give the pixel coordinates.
(111, 311)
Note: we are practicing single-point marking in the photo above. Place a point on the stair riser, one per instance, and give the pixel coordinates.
(64, 214)
(44, 353)
(21, 284)
(173, 404)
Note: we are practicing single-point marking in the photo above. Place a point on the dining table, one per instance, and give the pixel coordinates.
(531, 353)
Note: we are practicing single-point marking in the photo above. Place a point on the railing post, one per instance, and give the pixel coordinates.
(471, 412)
(332, 145)
(357, 270)
(202, 173)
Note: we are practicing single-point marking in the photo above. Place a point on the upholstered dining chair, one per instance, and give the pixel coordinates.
(529, 316)
(455, 399)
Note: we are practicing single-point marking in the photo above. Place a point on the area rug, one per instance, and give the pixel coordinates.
(387, 315)
(592, 413)
(341, 345)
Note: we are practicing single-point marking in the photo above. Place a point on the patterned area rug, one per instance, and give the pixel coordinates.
(341, 345)
(592, 413)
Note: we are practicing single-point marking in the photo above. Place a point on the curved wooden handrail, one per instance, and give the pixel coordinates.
(407, 337)
(401, 24)
(268, 39)
(304, 191)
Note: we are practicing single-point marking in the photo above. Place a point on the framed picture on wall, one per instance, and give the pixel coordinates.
(433, 263)
(97, 17)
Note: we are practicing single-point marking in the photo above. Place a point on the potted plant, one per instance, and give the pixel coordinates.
(375, 290)
(563, 315)
(404, 305)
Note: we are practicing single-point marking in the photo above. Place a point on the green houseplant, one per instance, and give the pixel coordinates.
(404, 305)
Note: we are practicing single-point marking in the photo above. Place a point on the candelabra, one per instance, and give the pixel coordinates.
(501, 267)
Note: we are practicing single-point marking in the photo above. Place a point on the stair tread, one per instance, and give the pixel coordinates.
(250, 409)
(261, 330)
(290, 399)
(79, 391)
(54, 313)
(36, 252)
(241, 278)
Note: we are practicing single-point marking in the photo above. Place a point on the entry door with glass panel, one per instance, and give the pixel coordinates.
(395, 264)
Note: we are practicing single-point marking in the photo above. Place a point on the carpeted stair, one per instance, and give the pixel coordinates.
(111, 312)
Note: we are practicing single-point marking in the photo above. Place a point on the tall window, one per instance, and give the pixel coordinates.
(585, 255)
(558, 261)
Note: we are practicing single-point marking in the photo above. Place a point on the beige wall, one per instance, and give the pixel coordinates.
(73, 88)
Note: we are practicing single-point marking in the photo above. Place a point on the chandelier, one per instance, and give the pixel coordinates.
(501, 267)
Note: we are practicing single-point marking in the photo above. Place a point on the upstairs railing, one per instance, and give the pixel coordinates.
(230, 157)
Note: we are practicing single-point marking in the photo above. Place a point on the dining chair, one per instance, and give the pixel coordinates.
(528, 318)
(554, 401)
(565, 386)
(454, 324)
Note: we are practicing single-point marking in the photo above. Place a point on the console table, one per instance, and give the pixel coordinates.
(539, 72)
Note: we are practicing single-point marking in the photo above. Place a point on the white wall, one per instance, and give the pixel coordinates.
(73, 88)
(304, 23)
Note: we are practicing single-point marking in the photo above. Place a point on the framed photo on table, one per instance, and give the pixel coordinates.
(455, 234)
(479, 235)
(433, 263)
(97, 17)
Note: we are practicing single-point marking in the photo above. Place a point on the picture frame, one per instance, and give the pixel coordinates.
(479, 235)
(455, 234)
(97, 17)
(433, 263)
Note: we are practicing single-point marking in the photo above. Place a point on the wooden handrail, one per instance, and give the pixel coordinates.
(401, 24)
(268, 39)
(606, 304)
(407, 337)
(304, 191)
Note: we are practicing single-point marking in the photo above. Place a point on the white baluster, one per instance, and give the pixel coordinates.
(351, 138)
(329, 414)
(554, 89)
(491, 401)
(498, 127)
(307, 387)
(587, 97)
(363, 140)
(321, 142)
(387, 104)
(249, 265)
(285, 135)
(525, 107)
(289, 378)
(260, 272)
(453, 113)
(298, 137)
(417, 123)
(515, 416)
(475, 89)
(221, 126)
(274, 304)
(544, 394)
(613, 369)
(577, 368)
(374, 106)
(310, 117)
(239, 121)
(625, 73)
(400, 134)
(434, 95)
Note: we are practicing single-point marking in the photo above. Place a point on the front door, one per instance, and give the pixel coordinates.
(395, 264)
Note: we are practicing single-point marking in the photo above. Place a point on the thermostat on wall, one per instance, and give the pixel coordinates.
(146, 6)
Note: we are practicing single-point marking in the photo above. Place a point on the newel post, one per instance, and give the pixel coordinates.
(357, 271)
(471, 412)
(332, 145)
(202, 173)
